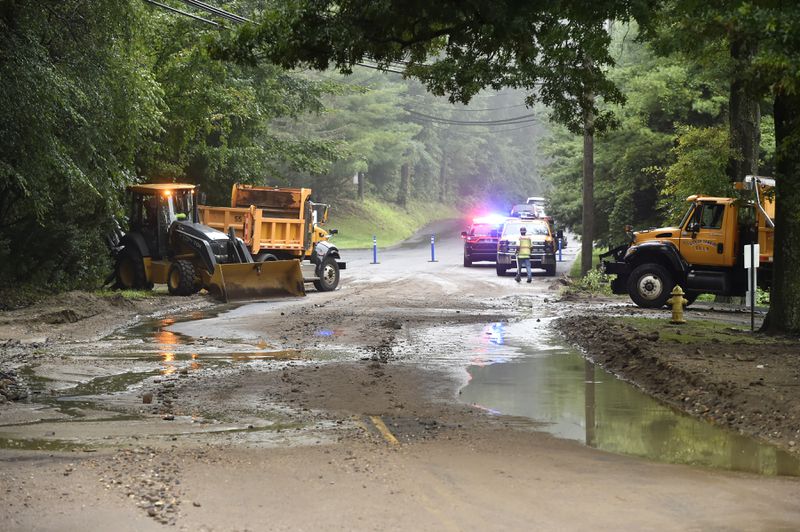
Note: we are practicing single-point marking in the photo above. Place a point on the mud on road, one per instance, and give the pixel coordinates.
(337, 410)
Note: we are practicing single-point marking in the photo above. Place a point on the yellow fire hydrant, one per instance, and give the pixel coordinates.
(677, 301)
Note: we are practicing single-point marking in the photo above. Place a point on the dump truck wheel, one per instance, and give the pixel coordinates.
(329, 275)
(129, 271)
(181, 278)
(265, 257)
(649, 285)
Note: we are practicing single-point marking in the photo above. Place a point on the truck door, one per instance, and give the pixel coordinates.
(702, 241)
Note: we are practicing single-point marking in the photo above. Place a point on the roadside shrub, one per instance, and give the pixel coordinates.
(594, 282)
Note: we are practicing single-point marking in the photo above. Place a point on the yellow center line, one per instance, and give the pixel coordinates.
(384, 430)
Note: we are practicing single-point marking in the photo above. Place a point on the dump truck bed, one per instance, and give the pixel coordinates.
(266, 219)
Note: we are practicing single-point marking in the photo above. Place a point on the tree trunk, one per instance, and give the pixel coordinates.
(443, 177)
(405, 185)
(587, 237)
(361, 186)
(744, 124)
(784, 309)
(745, 116)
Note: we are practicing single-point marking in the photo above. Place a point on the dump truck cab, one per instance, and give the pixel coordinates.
(702, 253)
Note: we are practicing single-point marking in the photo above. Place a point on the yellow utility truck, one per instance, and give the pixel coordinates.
(703, 253)
(166, 244)
(281, 224)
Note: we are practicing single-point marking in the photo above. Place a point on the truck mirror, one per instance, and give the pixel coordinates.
(463, 234)
(560, 234)
(693, 227)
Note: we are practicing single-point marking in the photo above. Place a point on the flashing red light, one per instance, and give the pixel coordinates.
(490, 219)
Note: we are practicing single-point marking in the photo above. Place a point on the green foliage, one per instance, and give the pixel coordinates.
(76, 105)
(701, 155)
(594, 282)
(558, 52)
(674, 116)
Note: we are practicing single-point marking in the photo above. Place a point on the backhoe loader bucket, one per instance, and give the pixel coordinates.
(256, 280)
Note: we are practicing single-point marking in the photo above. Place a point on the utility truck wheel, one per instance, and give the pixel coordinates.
(129, 271)
(467, 261)
(181, 278)
(550, 269)
(649, 285)
(501, 270)
(329, 275)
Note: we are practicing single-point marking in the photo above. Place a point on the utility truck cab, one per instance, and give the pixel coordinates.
(703, 253)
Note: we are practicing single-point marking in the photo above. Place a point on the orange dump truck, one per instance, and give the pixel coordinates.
(280, 224)
(703, 253)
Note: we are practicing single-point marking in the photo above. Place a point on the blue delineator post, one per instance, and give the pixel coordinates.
(374, 250)
(433, 249)
(559, 250)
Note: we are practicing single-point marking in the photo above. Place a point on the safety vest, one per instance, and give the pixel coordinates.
(524, 247)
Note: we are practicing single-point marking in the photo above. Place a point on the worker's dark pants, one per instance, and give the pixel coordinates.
(527, 264)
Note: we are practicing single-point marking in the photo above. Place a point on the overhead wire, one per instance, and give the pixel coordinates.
(451, 121)
(181, 12)
(216, 11)
(416, 115)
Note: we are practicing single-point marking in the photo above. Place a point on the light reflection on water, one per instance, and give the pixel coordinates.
(576, 400)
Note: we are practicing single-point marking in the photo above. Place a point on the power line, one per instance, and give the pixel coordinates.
(216, 11)
(185, 13)
(239, 20)
(451, 121)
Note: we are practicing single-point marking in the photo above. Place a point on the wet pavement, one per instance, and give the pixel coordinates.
(519, 370)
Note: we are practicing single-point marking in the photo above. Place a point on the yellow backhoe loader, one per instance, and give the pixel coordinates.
(166, 244)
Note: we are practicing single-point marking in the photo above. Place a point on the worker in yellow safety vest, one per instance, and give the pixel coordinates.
(523, 254)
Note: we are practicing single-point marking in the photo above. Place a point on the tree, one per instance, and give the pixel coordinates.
(76, 106)
(764, 42)
(557, 52)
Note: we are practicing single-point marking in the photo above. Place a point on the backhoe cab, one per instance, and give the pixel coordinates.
(702, 254)
(167, 245)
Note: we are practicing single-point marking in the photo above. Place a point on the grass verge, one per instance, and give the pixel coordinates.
(132, 294)
(358, 221)
(575, 270)
(594, 282)
(698, 331)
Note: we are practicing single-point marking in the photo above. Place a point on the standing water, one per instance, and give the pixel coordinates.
(572, 398)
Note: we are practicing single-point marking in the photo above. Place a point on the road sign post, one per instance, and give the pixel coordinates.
(433, 249)
(752, 255)
(374, 250)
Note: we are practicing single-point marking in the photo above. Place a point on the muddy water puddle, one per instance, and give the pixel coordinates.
(569, 397)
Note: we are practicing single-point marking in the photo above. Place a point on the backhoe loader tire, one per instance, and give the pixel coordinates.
(649, 285)
(328, 276)
(181, 278)
(129, 271)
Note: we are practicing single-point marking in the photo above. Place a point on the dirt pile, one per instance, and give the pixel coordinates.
(745, 384)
